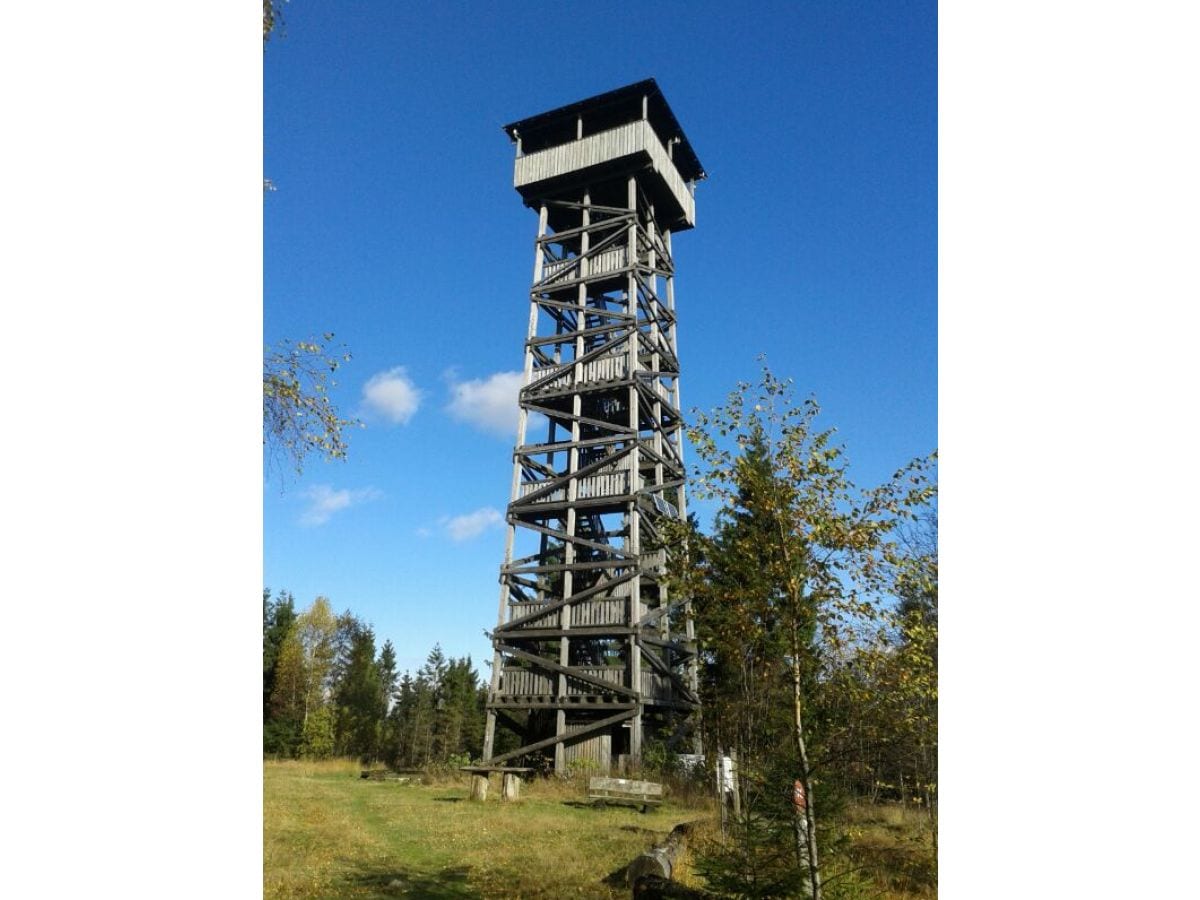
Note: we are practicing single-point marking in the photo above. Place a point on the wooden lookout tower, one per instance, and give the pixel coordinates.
(592, 655)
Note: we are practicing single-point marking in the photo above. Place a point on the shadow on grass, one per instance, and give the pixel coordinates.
(617, 878)
(593, 804)
(450, 884)
(448, 799)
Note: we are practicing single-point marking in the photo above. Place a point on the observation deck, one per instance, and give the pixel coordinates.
(631, 129)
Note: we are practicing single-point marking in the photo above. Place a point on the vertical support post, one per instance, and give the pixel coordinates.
(489, 730)
(634, 541)
(572, 522)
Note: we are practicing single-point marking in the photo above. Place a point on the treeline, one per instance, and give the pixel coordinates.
(328, 692)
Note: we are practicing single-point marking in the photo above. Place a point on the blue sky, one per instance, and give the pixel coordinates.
(395, 225)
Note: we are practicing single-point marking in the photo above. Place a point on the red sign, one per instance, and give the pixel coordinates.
(798, 794)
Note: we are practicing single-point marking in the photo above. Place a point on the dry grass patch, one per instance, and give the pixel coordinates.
(329, 833)
(893, 846)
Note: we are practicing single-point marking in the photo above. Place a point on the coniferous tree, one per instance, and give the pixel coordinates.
(386, 667)
(360, 700)
(279, 736)
(347, 628)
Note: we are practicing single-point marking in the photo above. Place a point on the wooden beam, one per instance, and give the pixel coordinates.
(550, 741)
(612, 550)
(580, 631)
(551, 666)
(546, 701)
(666, 670)
(558, 237)
(582, 595)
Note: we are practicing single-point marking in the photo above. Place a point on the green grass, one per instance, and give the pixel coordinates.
(330, 834)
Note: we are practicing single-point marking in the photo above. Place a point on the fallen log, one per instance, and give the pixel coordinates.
(659, 861)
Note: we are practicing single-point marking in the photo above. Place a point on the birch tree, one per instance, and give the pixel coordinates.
(303, 668)
(300, 419)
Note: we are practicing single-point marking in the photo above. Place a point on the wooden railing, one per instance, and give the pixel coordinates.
(611, 259)
(610, 367)
(605, 611)
(600, 612)
(524, 682)
(604, 483)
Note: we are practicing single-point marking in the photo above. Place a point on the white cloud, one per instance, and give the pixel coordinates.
(324, 501)
(472, 524)
(391, 395)
(489, 404)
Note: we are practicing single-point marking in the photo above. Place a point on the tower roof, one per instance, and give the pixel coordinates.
(616, 107)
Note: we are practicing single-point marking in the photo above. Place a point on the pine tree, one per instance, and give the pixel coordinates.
(278, 616)
(360, 699)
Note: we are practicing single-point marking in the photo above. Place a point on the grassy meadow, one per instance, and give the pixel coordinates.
(330, 834)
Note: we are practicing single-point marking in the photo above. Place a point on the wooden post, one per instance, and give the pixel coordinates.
(479, 787)
(510, 788)
(633, 541)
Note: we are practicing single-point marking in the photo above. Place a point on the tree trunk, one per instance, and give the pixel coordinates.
(805, 817)
(722, 803)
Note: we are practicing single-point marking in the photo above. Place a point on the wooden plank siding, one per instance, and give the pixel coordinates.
(595, 751)
(606, 146)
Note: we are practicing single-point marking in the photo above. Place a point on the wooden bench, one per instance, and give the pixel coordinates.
(625, 791)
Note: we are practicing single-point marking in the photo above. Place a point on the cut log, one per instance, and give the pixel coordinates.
(659, 861)
(479, 787)
(510, 788)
